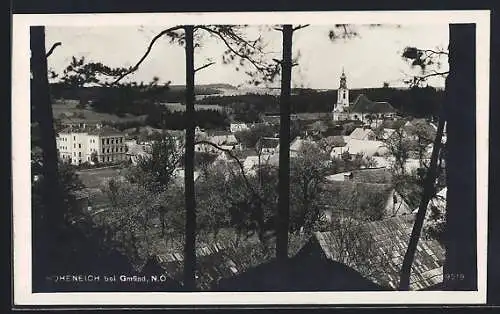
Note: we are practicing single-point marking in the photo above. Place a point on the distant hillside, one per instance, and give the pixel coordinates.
(418, 102)
(174, 93)
(207, 86)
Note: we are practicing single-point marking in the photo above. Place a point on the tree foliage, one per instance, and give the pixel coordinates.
(249, 138)
(307, 174)
(429, 61)
(156, 171)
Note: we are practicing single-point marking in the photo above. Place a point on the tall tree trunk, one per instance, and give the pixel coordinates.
(190, 240)
(47, 224)
(460, 272)
(460, 266)
(284, 157)
(429, 186)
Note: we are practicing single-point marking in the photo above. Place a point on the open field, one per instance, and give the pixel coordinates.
(67, 109)
(94, 178)
(181, 107)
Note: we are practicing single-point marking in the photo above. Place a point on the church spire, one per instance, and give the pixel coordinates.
(343, 80)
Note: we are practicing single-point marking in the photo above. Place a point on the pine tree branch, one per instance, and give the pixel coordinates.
(300, 27)
(51, 50)
(437, 52)
(203, 67)
(150, 46)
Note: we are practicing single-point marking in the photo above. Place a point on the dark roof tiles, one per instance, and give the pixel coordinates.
(365, 105)
(392, 236)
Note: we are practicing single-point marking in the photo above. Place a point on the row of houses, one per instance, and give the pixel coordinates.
(319, 264)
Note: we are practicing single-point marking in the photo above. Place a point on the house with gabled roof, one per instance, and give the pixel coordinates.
(366, 147)
(373, 200)
(299, 144)
(268, 145)
(363, 134)
(216, 261)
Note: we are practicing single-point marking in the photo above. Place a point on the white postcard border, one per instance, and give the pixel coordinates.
(21, 157)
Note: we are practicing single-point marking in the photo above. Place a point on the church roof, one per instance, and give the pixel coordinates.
(365, 105)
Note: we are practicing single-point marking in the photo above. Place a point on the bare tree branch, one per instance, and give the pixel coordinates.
(136, 66)
(203, 67)
(417, 80)
(51, 50)
(236, 159)
(438, 52)
(300, 27)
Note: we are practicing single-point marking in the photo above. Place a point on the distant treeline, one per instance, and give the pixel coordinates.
(176, 120)
(160, 118)
(419, 102)
(174, 93)
(130, 100)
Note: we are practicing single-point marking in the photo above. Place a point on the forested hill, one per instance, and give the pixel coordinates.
(172, 93)
(416, 101)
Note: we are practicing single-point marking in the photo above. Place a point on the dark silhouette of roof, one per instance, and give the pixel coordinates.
(215, 262)
(299, 273)
(364, 105)
(390, 238)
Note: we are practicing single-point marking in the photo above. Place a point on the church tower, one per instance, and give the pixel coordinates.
(342, 98)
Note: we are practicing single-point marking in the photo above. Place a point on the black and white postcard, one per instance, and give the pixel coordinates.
(250, 158)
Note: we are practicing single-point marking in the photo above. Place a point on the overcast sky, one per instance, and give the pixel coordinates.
(369, 60)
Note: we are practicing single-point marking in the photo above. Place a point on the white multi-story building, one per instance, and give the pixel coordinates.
(237, 127)
(91, 144)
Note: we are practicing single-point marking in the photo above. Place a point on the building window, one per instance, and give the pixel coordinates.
(103, 150)
(107, 151)
(107, 141)
(74, 138)
(88, 158)
(108, 158)
(102, 141)
(79, 161)
(112, 140)
(74, 154)
(79, 145)
(79, 154)
(74, 145)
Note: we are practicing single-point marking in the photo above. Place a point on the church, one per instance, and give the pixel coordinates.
(362, 108)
